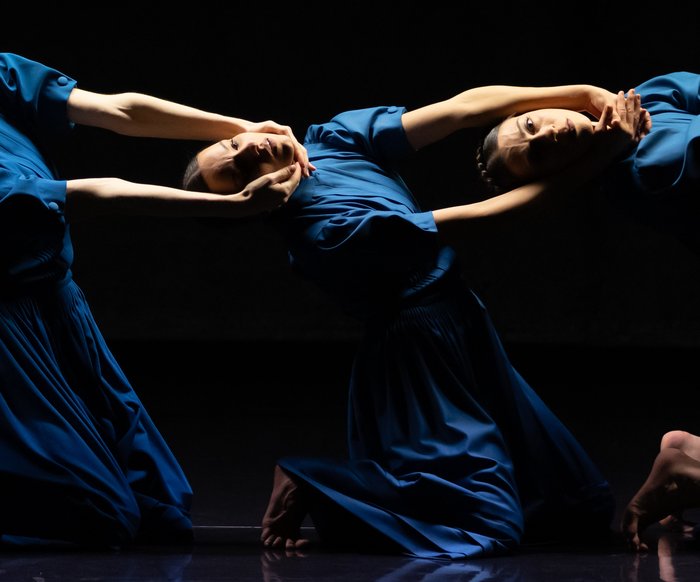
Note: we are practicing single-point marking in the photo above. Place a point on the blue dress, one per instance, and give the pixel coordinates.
(80, 459)
(659, 182)
(451, 453)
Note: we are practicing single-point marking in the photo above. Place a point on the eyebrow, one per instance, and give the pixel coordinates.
(518, 124)
(221, 143)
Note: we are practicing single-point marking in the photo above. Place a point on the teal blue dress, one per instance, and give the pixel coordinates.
(81, 461)
(659, 182)
(451, 454)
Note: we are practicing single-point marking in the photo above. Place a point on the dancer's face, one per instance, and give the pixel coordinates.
(228, 165)
(540, 142)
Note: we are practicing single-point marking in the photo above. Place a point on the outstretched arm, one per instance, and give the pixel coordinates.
(140, 115)
(483, 106)
(91, 197)
(617, 131)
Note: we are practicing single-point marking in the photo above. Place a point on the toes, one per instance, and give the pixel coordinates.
(273, 541)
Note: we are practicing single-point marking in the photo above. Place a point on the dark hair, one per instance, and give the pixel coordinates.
(192, 178)
(493, 171)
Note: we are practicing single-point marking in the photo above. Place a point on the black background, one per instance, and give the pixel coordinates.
(586, 274)
(238, 361)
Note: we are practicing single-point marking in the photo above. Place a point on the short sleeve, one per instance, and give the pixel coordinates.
(39, 197)
(34, 96)
(376, 132)
(32, 225)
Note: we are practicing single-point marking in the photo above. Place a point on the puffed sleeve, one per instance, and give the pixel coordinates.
(34, 96)
(376, 132)
(33, 117)
(354, 227)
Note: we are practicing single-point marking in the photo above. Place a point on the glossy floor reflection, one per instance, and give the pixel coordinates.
(232, 556)
(227, 418)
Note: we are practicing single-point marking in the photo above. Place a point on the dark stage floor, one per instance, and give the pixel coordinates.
(230, 410)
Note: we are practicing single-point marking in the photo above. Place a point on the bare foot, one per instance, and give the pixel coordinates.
(281, 525)
(673, 485)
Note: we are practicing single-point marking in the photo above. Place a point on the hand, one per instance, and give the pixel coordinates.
(270, 191)
(598, 99)
(631, 117)
(300, 154)
(624, 125)
(644, 124)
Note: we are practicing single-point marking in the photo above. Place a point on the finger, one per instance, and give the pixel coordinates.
(605, 118)
(296, 174)
(646, 122)
(282, 175)
(633, 108)
(621, 104)
(618, 111)
(638, 112)
(635, 103)
(637, 115)
(290, 184)
(302, 156)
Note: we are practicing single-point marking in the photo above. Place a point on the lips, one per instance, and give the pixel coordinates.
(265, 147)
(566, 132)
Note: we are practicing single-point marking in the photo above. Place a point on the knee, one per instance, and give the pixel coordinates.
(668, 461)
(674, 439)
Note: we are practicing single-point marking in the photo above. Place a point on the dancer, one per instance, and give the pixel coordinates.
(452, 453)
(657, 182)
(82, 461)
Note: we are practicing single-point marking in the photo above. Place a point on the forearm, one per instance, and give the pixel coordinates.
(140, 115)
(453, 222)
(93, 197)
(456, 222)
(617, 132)
(497, 101)
(485, 106)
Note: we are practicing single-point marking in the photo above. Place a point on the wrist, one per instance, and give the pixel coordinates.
(237, 126)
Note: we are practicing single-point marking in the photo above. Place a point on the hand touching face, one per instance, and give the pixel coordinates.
(541, 142)
(228, 165)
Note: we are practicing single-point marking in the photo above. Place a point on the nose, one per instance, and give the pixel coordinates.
(551, 132)
(548, 133)
(248, 151)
